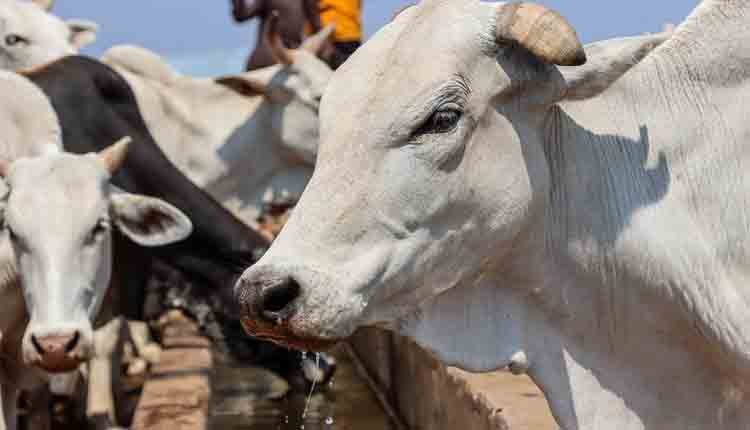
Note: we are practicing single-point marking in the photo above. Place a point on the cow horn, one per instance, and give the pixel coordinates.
(45, 4)
(114, 155)
(542, 31)
(244, 85)
(318, 41)
(281, 53)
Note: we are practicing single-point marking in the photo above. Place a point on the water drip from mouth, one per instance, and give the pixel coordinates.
(312, 387)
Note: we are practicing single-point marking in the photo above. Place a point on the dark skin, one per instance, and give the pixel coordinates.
(294, 15)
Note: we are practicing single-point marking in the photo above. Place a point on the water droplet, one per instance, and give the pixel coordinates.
(329, 420)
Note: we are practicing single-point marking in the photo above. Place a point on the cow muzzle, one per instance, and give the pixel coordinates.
(270, 301)
(57, 352)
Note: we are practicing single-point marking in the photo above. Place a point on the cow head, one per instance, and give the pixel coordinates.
(432, 169)
(58, 213)
(293, 89)
(30, 36)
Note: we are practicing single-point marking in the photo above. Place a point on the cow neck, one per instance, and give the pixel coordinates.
(608, 371)
(249, 146)
(598, 366)
(255, 165)
(630, 170)
(654, 328)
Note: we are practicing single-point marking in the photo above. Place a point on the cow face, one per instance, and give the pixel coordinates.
(58, 215)
(30, 36)
(292, 91)
(431, 172)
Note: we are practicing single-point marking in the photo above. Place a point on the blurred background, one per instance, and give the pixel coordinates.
(199, 37)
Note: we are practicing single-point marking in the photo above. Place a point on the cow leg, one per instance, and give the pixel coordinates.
(9, 396)
(104, 372)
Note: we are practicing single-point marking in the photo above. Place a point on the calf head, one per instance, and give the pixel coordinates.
(30, 36)
(292, 90)
(58, 213)
(432, 167)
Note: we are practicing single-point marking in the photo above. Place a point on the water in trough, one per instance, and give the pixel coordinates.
(243, 399)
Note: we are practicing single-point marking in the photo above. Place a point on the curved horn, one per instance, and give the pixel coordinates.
(542, 32)
(244, 85)
(45, 4)
(317, 41)
(114, 155)
(281, 53)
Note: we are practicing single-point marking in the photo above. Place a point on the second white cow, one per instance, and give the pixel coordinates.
(245, 138)
(58, 211)
(30, 36)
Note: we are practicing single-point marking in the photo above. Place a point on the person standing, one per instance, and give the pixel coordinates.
(347, 16)
(294, 17)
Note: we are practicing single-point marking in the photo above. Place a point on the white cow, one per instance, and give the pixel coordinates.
(58, 211)
(482, 191)
(247, 138)
(30, 36)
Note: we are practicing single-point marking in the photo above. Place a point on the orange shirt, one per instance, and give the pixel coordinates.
(347, 15)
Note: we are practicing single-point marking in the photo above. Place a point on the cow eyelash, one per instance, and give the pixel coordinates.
(441, 121)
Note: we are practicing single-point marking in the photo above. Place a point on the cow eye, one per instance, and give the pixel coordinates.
(441, 121)
(15, 39)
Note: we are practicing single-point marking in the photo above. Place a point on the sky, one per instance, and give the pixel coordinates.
(200, 38)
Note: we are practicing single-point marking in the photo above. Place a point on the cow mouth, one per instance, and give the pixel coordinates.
(59, 365)
(284, 336)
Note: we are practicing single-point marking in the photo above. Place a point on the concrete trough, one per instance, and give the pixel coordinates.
(429, 396)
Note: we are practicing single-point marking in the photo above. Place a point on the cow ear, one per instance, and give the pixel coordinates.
(82, 32)
(607, 61)
(148, 221)
(245, 85)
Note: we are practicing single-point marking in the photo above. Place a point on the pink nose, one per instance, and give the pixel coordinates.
(58, 353)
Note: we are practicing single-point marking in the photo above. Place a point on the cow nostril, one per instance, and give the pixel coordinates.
(278, 297)
(37, 345)
(73, 342)
(56, 344)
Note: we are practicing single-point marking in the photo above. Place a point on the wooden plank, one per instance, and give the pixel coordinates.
(177, 393)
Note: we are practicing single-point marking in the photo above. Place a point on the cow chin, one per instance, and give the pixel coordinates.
(59, 365)
(284, 335)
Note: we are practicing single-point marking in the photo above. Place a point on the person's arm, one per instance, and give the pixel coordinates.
(243, 10)
(312, 12)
